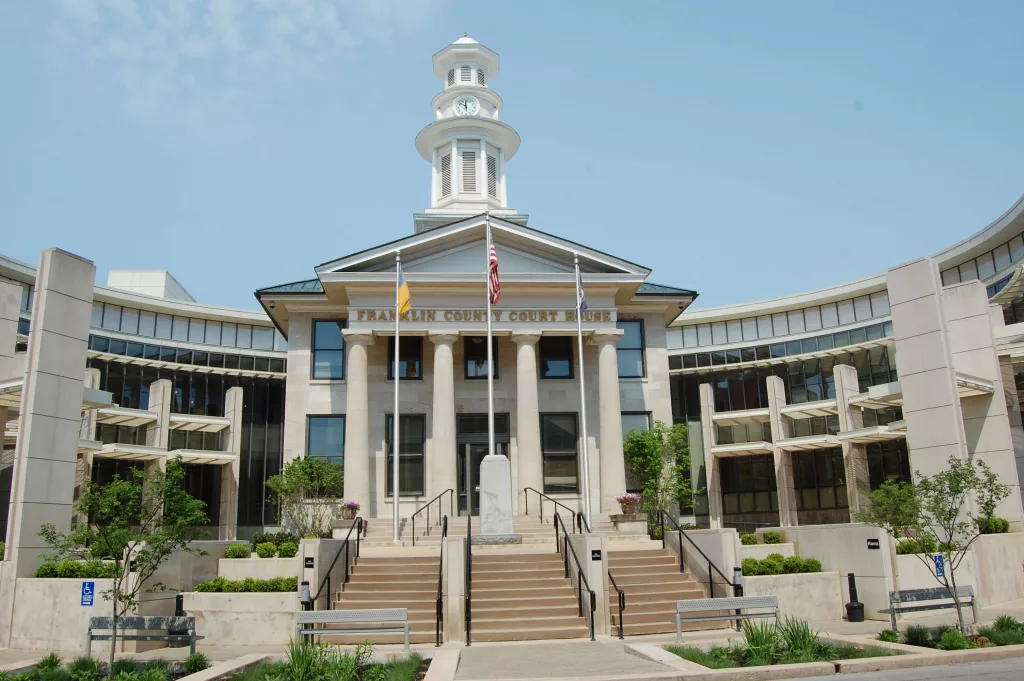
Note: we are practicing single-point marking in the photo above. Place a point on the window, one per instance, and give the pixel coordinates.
(112, 317)
(130, 321)
(480, 80)
(888, 462)
(328, 349)
(446, 175)
(179, 329)
(639, 421)
(630, 349)
(559, 448)
(469, 171)
(475, 348)
(412, 434)
(197, 331)
(820, 479)
(556, 357)
(451, 77)
(262, 338)
(410, 358)
(748, 484)
(325, 438)
(492, 176)
(466, 74)
(244, 338)
(147, 324)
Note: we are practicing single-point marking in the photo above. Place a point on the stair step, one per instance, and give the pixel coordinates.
(526, 601)
(670, 596)
(526, 572)
(660, 587)
(625, 581)
(648, 569)
(395, 561)
(426, 586)
(384, 568)
(580, 631)
(484, 611)
(404, 596)
(486, 561)
(378, 639)
(485, 586)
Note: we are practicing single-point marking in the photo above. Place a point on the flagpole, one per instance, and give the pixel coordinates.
(583, 396)
(490, 359)
(395, 419)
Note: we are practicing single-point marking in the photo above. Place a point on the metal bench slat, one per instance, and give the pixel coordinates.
(140, 622)
(933, 594)
(731, 603)
(346, 616)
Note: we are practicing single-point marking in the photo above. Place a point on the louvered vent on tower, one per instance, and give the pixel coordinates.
(446, 175)
(466, 75)
(451, 77)
(492, 176)
(480, 77)
(469, 172)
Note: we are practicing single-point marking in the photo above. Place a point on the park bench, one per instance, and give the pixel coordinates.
(170, 625)
(352, 622)
(725, 609)
(921, 600)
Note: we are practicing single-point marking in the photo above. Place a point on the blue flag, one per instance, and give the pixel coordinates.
(581, 296)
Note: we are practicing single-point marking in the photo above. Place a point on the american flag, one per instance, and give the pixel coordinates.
(493, 284)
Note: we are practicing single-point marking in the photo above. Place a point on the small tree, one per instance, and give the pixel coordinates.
(306, 490)
(659, 461)
(137, 523)
(934, 512)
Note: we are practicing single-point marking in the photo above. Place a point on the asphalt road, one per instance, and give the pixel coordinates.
(1003, 670)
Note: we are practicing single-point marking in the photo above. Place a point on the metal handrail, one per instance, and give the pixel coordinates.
(439, 615)
(469, 580)
(622, 601)
(426, 507)
(577, 522)
(581, 578)
(358, 522)
(662, 515)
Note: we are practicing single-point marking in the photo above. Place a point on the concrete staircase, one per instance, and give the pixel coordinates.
(533, 530)
(408, 581)
(524, 597)
(653, 583)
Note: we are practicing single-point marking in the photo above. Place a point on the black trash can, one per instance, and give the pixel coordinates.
(854, 609)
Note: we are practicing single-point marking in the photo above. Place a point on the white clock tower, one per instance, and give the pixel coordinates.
(467, 145)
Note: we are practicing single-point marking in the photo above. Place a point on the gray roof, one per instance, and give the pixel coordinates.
(649, 289)
(307, 286)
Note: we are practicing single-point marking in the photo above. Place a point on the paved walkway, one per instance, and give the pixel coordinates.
(554, 659)
(1004, 670)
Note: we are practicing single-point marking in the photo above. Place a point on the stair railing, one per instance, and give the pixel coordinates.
(578, 521)
(439, 606)
(622, 601)
(426, 507)
(712, 568)
(346, 546)
(581, 578)
(468, 588)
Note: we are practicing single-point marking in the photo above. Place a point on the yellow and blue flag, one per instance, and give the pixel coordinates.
(404, 299)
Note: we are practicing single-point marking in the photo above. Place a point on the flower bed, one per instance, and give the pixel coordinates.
(1006, 631)
(314, 661)
(274, 585)
(53, 668)
(790, 641)
(76, 569)
(776, 564)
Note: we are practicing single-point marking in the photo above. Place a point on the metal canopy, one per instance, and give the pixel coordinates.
(128, 452)
(11, 393)
(809, 443)
(879, 397)
(973, 386)
(159, 364)
(739, 418)
(202, 424)
(897, 430)
(122, 416)
(742, 449)
(1013, 288)
(788, 359)
(807, 410)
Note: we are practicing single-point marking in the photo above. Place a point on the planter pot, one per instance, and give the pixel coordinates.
(348, 514)
(629, 507)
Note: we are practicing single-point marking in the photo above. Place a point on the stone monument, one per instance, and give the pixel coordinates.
(496, 502)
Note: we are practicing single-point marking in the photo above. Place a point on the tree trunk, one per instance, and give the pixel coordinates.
(113, 637)
(956, 599)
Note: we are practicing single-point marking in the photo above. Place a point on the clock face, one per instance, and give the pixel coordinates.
(466, 106)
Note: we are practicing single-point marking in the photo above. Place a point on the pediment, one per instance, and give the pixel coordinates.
(472, 257)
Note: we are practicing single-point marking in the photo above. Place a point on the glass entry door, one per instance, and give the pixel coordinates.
(473, 453)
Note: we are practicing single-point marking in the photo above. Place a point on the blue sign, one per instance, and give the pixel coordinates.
(940, 566)
(88, 593)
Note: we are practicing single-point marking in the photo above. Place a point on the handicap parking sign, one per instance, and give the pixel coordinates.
(940, 565)
(88, 593)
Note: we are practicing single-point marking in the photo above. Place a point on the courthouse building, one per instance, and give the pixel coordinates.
(797, 407)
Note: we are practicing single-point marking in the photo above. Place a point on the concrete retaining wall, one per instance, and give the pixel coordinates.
(812, 597)
(999, 560)
(912, 573)
(48, 614)
(244, 619)
(257, 568)
(761, 551)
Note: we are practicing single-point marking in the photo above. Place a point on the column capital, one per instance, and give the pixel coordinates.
(443, 337)
(606, 336)
(358, 336)
(527, 336)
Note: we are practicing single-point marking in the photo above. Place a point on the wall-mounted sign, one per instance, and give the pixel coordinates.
(88, 593)
(308, 562)
(940, 565)
(595, 554)
(874, 544)
(497, 316)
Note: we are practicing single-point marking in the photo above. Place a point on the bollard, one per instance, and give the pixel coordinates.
(854, 609)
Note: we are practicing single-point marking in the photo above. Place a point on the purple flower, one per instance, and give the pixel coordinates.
(354, 505)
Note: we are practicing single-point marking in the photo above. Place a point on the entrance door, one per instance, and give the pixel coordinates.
(474, 454)
(472, 448)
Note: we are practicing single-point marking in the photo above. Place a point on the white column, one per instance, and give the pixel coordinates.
(46, 456)
(530, 459)
(783, 458)
(855, 456)
(711, 472)
(442, 439)
(229, 472)
(158, 433)
(357, 415)
(613, 464)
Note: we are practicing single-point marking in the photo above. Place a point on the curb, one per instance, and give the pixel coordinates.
(223, 670)
(443, 665)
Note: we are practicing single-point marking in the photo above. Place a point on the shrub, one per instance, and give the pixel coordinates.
(154, 672)
(1008, 623)
(239, 550)
(73, 569)
(748, 538)
(889, 636)
(84, 669)
(799, 638)
(195, 663)
(123, 667)
(751, 567)
(716, 658)
(993, 525)
(811, 565)
(657, 532)
(918, 635)
(793, 564)
(266, 550)
(1003, 637)
(763, 642)
(287, 550)
(952, 639)
(284, 538)
(261, 538)
(774, 564)
(925, 544)
(51, 661)
(772, 537)
(249, 585)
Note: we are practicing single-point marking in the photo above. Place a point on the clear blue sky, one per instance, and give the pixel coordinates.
(743, 149)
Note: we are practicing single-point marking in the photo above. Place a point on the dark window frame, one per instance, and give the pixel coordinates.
(309, 423)
(642, 349)
(389, 455)
(560, 455)
(401, 348)
(343, 324)
(542, 351)
(494, 356)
